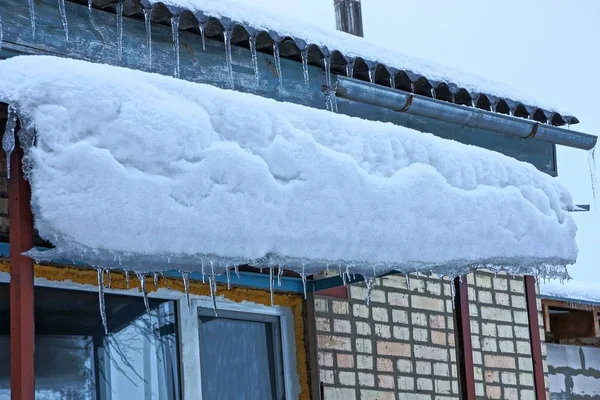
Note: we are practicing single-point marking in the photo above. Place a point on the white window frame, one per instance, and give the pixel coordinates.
(188, 324)
(189, 344)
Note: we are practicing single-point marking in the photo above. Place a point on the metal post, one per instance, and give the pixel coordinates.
(22, 332)
(348, 15)
(535, 338)
(464, 346)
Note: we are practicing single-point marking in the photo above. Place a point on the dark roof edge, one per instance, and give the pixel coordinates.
(362, 69)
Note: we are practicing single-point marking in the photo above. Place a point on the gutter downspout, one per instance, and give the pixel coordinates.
(400, 101)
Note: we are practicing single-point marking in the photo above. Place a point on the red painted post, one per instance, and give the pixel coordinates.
(464, 345)
(535, 339)
(22, 332)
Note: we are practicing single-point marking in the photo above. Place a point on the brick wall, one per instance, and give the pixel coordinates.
(574, 371)
(401, 346)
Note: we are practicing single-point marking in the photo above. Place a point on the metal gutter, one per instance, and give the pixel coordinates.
(400, 101)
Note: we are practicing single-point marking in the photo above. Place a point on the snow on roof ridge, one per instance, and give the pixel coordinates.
(353, 46)
(159, 173)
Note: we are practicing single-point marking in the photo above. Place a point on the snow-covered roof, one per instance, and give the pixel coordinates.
(151, 172)
(245, 19)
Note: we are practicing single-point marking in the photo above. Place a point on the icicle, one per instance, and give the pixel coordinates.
(392, 81)
(592, 163)
(100, 273)
(175, 31)
(350, 69)
(371, 76)
(279, 275)
(254, 59)
(108, 278)
(327, 267)
(186, 288)
(201, 26)
(407, 281)
(433, 94)
(63, 17)
(203, 281)
(213, 287)
(32, 17)
(236, 269)
(228, 278)
(327, 64)
(127, 279)
(277, 57)
(148, 23)
(8, 140)
(120, 30)
(90, 5)
(155, 281)
(304, 281)
(142, 278)
(271, 285)
(452, 291)
(1, 33)
(228, 57)
(344, 281)
(370, 282)
(304, 54)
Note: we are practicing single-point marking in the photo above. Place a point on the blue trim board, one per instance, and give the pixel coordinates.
(571, 300)
(246, 279)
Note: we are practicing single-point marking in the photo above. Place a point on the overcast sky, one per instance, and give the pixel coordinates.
(549, 49)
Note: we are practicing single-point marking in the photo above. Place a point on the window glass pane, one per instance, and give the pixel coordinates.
(75, 360)
(240, 358)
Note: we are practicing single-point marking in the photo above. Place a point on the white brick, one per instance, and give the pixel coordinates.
(364, 362)
(525, 379)
(376, 395)
(395, 281)
(420, 335)
(325, 359)
(485, 296)
(406, 383)
(403, 365)
(402, 333)
(521, 332)
(399, 317)
(505, 331)
(366, 379)
(483, 281)
(363, 328)
(363, 346)
(500, 284)
(424, 384)
(517, 286)
(323, 324)
(347, 378)
(398, 299)
(380, 314)
(418, 319)
(502, 299)
(489, 345)
(423, 368)
(442, 386)
(326, 376)
(430, 353)
(488, 329)
(520, 317)
(339, 394)
(507, 346)
(383, 331)
(321, 305)
(340, 307)
(341, 326)
(441, 369)
(434, 288)
(525, 364)
(523, 347)
(496, 314)
(518, 301)
(360, 311)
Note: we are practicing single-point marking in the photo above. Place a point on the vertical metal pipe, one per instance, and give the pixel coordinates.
(464, 345)
(348, 15)
(22, 332)
(535, 338)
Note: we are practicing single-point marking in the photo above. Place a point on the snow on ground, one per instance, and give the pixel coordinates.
(158, 173)
(276, 16)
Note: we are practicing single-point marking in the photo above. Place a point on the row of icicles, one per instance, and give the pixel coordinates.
(329, 91)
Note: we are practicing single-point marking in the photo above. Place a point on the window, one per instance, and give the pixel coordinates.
(136, 360)
(240, 356)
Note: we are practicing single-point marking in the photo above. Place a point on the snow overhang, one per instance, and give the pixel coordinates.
(137, 170)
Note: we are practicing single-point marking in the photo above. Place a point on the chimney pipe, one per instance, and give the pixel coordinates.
(348, 16)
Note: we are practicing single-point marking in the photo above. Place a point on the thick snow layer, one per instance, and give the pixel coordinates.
(269, 19)
(573, 290)
(158, 173)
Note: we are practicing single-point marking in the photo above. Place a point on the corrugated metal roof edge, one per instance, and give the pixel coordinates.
(363, 69)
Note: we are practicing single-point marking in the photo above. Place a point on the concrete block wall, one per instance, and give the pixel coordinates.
(401, 346)
(574, 371)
